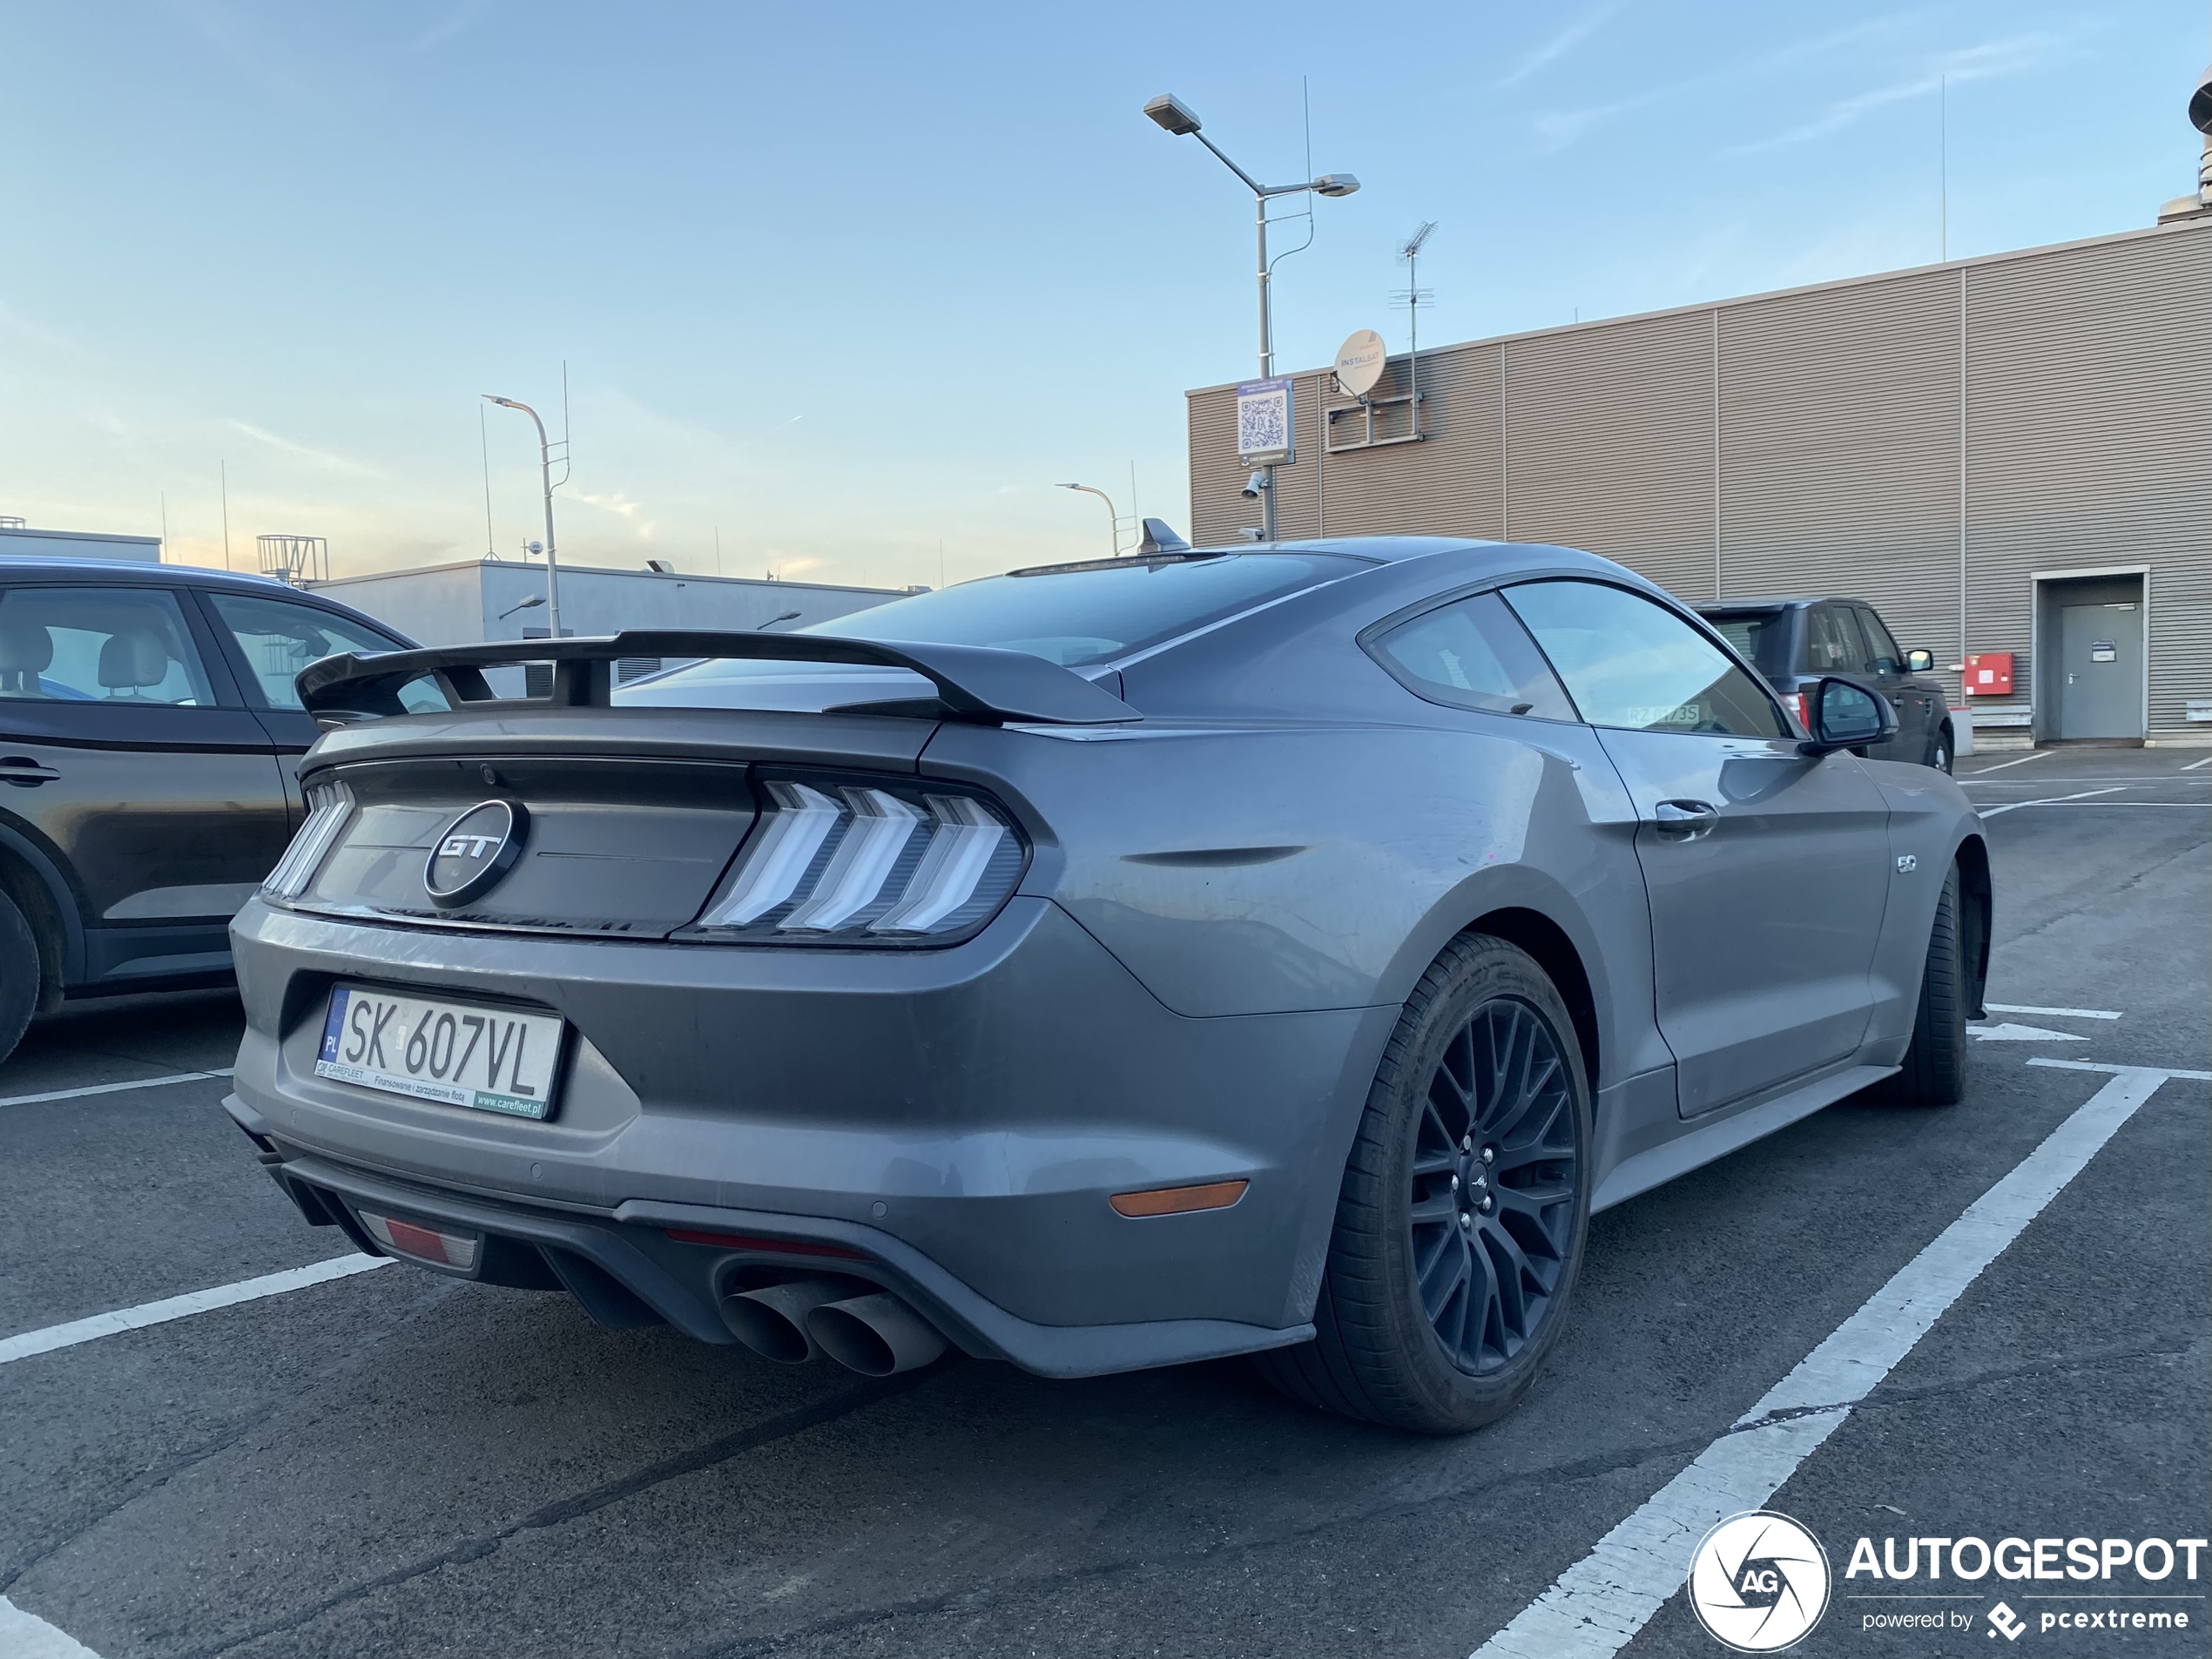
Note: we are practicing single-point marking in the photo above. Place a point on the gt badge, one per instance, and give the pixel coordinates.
(474, 852)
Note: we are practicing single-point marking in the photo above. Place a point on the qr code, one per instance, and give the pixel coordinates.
(1263, 422)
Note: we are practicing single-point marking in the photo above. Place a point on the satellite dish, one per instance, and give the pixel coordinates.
(1359, 363)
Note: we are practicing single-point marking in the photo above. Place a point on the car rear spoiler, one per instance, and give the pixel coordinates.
(978, 683)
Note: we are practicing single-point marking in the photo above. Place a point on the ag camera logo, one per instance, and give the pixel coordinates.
(1758, 1583)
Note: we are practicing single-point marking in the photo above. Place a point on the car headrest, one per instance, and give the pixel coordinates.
(26, 647)
(133, 658)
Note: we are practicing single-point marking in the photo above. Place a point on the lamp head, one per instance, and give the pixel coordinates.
(2201, 103)
(1336, 184)
(1172, 113)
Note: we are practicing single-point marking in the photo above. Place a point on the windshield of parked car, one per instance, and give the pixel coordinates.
(1761, 638)
(1076, 615)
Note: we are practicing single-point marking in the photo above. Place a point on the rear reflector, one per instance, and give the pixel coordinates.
(746, 1241)
(1176, 1201)
(424, 1244)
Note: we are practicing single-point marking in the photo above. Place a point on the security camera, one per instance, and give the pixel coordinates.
(1255, 486)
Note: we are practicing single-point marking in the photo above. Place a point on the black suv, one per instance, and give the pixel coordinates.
(149, 742)
(1794, 642)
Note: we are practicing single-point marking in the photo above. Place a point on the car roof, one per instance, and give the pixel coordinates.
(1780, 602)
(135, 573)
(132, 572)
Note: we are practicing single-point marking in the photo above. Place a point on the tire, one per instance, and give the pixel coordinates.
(19, 976)
(1484, 1058)
(1934, 1072)
(1940, 757)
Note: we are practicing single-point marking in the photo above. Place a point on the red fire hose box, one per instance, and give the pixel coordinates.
(1989, 673)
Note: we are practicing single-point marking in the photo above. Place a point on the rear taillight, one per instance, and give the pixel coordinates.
(846, 863)
(1797, 700)
(328, 807)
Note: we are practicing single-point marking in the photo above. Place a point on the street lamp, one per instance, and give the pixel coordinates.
(1113, 518)
(1175, 117)
(530, 603)
(545, 475)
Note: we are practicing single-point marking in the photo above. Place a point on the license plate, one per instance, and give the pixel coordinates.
(458, 1054)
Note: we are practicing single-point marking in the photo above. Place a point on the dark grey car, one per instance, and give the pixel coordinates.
(1279, 951)
(149, 735)
(1795, 642)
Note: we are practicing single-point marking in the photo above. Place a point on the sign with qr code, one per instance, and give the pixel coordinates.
(1264, 433)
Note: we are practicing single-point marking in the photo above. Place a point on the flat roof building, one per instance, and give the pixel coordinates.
(2010, 454)
(480, 599)
(18, 540)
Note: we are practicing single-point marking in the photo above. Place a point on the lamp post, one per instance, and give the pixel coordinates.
(1113, 518)
(546, 473)
(1175, 117)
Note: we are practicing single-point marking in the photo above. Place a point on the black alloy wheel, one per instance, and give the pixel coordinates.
(1492, 1214)
(1463, 1208)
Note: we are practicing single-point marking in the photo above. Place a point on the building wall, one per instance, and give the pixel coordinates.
(1927, 440)
(458, 604)
(77, 545)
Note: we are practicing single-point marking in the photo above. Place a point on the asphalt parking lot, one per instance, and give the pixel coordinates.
(393, 1463)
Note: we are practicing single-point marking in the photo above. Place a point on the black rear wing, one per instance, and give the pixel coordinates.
(978, 683)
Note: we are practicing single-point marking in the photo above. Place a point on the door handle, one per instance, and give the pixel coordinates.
(1685, 820)
(25, 772)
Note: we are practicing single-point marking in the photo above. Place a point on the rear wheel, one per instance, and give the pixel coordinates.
(1934, 1072)
(19, 976)
(1461, 1220)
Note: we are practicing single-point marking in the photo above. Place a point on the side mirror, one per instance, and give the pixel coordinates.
(1845, 715)
(1919, 662)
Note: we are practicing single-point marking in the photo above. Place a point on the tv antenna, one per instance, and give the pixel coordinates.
(1413, 296)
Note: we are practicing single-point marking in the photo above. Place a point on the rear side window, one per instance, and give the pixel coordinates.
(1628, 662)
(1833, 646)
(1473, 654)
(126, 645)
(280, 638)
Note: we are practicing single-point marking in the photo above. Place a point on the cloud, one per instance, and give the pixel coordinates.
(1988, 61)
(304, 452)
(623, 506)
(1556, 130)
(454, 22)
(1560, 44)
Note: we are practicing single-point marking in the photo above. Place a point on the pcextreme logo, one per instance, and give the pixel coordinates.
(1758, 1583)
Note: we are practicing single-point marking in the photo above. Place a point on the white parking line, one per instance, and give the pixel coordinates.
(97, 1326)
(114, 1089)
(1594, 1608)
(25, 1636)
(2071, 1014)
(2105, 1066)
(2014, 806)
(2194, 765)
(2041, 754)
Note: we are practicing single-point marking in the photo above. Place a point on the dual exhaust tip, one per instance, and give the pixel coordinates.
(877, 1335)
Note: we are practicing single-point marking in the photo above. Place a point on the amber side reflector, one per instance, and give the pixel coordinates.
(746, 1241)
(1176, 1201)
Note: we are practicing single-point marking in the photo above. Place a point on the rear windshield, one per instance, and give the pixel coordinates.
(1079, 615)
(1761, 638)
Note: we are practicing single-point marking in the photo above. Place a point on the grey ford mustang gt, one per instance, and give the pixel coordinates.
(1279, 951)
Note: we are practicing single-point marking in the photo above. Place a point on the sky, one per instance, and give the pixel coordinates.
(845, 291)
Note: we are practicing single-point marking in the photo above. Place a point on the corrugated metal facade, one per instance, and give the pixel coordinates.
(1926, 440)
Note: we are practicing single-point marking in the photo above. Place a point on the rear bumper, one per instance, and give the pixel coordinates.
(958, 1119)
(628, 1271)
